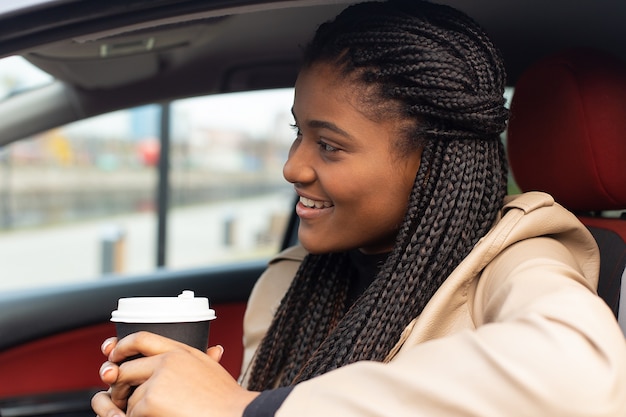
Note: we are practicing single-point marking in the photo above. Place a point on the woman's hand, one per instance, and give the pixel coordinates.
(171, 379)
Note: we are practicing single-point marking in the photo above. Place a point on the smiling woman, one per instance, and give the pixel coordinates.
(409, 320)
(414, 271)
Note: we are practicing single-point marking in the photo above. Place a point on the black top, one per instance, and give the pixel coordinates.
(366, 267)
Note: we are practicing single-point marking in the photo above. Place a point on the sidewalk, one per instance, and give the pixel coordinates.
(196, 237)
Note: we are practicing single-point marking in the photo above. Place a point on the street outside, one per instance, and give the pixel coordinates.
(197, 236)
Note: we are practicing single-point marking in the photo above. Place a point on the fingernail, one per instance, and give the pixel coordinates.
(105, 345)
(105, 369)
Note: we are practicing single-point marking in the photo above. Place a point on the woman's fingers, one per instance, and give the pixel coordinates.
(144, 366)
(108, 345)
(130, 375)
(145, 344)
(166, 371)
(188, 383)
(102, 404)
(136, 371)
(215, 352)
(109, 372)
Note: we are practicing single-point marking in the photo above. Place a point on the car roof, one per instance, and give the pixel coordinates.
(117, 54)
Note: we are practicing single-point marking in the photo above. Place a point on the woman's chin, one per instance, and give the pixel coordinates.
(315, 245)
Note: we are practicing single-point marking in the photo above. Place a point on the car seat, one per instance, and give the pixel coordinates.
(567, 136)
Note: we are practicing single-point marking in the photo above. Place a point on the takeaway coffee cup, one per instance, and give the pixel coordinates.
(185, 318)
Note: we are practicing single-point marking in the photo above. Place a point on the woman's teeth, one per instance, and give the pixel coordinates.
(315, 204)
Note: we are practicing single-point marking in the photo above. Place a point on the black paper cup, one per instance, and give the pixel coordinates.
(194, 334)
(185, 318)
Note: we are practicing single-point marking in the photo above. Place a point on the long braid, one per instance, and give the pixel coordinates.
(312, 296)
(448, 77)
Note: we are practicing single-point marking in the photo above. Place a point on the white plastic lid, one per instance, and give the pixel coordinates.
(184, 308)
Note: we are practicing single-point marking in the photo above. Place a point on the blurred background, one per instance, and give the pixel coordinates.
(80, 201)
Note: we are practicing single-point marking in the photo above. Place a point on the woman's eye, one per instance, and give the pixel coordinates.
(325, 147)
(296, 129)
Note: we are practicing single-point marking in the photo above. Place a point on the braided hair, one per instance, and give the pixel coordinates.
(449, 78)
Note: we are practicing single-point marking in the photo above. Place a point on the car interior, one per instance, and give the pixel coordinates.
(568, 111)
(566, 66)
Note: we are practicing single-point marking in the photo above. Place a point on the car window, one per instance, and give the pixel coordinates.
(229, 198)
(512, 187)
(81, 201)
(18, 75)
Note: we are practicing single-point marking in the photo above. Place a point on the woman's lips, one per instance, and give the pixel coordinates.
(311, 209)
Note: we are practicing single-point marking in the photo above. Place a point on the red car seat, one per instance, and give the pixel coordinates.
(567, 136)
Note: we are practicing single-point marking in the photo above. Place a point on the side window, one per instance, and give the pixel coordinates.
(81, 202)
(229, 199)
(512, 187)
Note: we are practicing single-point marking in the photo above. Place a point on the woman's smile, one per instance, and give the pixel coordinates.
(308, 209)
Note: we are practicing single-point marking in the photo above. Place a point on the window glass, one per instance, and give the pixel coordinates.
(17, 75)
(79, 202)
(229, 199)
(66, 193)
(512, 187)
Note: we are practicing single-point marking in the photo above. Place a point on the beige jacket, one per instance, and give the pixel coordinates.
(516, 330)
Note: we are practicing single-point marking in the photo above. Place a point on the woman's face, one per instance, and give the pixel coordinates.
(353, 184)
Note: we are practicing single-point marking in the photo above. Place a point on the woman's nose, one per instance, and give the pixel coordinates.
(299, 166)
